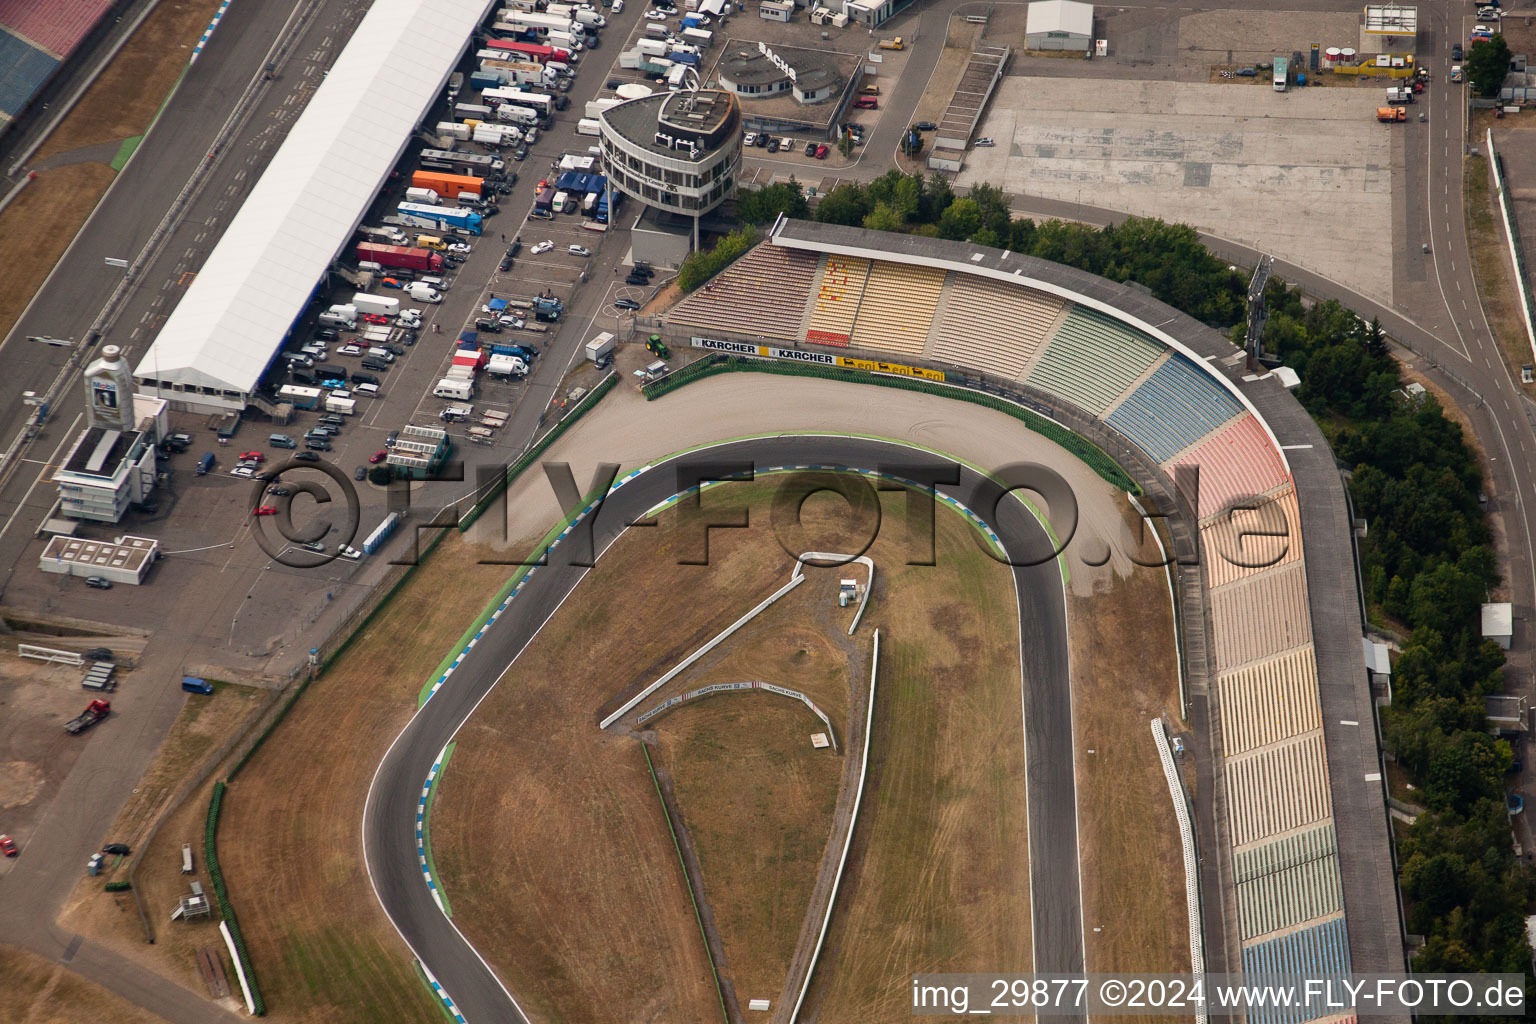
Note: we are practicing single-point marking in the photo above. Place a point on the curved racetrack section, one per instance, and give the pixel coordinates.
(390, 815)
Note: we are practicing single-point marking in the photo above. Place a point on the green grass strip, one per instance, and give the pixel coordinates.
(436, 999)
(426, 829)
(125, 151)
(216, 878)
(1090, 454)
(687, 881)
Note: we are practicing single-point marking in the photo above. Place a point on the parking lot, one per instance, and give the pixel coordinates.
(1305, 174)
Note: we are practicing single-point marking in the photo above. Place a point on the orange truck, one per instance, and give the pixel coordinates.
(1391, 114)
(447, 185)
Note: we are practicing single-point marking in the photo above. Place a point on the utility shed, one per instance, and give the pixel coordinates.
(1499, 623)
(1059, 25)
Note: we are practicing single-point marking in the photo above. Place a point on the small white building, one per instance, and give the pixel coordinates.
(1499, 623)
(1059, 25)
(127, 559)
(872, 13)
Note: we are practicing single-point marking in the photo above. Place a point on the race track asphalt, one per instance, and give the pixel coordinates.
(389, 819)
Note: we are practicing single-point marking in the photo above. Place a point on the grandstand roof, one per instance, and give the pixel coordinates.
(1089, 290)
(303, 210)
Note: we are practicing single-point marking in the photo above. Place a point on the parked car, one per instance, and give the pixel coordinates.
(375, 318)
(810, 149)
(543, 247)
(326, 334)
(378, 457)
(8, 846)
(926, 126)
(331, 417)
(282, 441)
(360, 473)
(773, 145)
(516, 247)
(306, 456)
(626, 304)
(506, 264)
(366, 378)
(350, 350)
(265, 510)
(985, 142)
(389, 442)
(252, 457)
(821, 151)
(408, 337)
(98, 582)
(463, 248)
(317, 444)
(578, 250)
(410, 318)
(1455, 51)
(637, 279)
(244, 472)
(279, 492)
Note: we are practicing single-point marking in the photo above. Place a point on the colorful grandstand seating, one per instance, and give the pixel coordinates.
(1172, 409)
(898, 306)
(1240, 461)
(1092, 360)
(836, 304)
(56, 26)
(1269, 701)
(994, 326)
(1288, 882)
(762, 294)
(1321, 951)
(1278, 789)
(1240, 541)
(1261, 616)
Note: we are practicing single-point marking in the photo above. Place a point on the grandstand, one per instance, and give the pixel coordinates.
(897, 309)
(997, 328)
(1092, 360)
(35, 40)
(837, 300)
(1107, 352)
(761, 294)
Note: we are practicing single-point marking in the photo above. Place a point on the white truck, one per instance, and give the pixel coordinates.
(506, 366)
(459, 371)
(426, 196)
(595, 107)
(344, 406)
(454, 388)
(453, 130)
(512, 114)
(600, 349)
(1399, 95)
(423, 292)
(386, 235)
(590, 18)
(365, 303)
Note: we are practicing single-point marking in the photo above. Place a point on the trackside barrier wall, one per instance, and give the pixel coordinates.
(216, 876)
(531, 455)
(1191, 861)
(853, 821)
(692, 897)
(1085, 451)
(1516, 252)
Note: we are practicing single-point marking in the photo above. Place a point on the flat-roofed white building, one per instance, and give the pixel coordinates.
(1059, 25)
(124, 560)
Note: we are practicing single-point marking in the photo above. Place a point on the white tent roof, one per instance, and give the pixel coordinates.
(306, 204)
(1059, 16)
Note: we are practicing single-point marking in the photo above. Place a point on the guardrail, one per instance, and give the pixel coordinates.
(236, 942)
(853, 820)
(1191, 860)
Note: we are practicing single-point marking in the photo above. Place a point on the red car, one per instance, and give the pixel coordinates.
(821, 152)
(375, 318)
(8, 846)
(252, 456)
(265, 510)
(378, 457)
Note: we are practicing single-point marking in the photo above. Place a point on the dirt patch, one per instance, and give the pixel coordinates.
(122, 101)
(584, 896)
(34, 991)
(41, 222)
(204, 724)
(938, 877)
(1125, 674)
(756, 798)
(1490, 260)
(289, 840)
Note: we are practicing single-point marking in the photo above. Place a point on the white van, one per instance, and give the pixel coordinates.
(366, 390)
(451, 388)
(436, 283)
(338, 320)
(558, 67)
(423, 292)
(382, 353)
(562, 201)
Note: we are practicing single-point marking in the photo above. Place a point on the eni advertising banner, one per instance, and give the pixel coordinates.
(800, 355)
